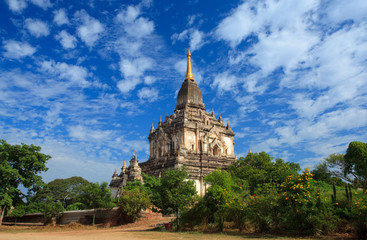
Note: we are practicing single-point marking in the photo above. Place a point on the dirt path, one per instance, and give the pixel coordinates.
(139, 230)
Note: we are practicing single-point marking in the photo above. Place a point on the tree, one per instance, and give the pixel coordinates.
(19, 165)
(174, 192)
(258, 169)
(66, 190)
(219, 195)
(132, 201)
(321, 172)
(95, 195)
(356, 162)
(335, 165)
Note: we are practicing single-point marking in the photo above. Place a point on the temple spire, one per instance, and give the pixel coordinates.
(189, 70)
(152, 129)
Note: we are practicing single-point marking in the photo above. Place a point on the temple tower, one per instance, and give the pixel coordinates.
(190, 137)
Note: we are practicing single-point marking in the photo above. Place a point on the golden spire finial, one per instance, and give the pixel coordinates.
(249, 149)
(189, 70)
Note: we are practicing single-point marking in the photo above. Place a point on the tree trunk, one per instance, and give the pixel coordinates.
(178, 221)
(2, 211)
(94, 217)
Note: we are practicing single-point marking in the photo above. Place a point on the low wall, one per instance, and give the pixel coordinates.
(108, 217)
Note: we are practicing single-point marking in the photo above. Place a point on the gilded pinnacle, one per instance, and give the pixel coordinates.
(189, 70)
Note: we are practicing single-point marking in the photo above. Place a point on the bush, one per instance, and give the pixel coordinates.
(132, 202)
(304, 208)
(75, 206)
(196, 215)
(359, 217)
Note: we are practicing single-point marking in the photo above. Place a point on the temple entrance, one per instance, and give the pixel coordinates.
(215, 150)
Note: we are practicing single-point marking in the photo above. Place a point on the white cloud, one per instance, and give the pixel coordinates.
(73, 73)
(195, 36)
(148, 94)
(225, 82)
(128, 84)
(17, 50)
(339, 11)
(135, 67)
(138, 27)
(196, 40)
(37, 27)
(61, 17)
(265, 16)
(67, 40)
(180, 36)
(90, 30)
(84, 133)
(16, 6)
(133, 70)
(148, 80)
(44, 4)
(337, 73)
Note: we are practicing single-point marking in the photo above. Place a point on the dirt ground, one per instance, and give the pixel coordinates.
(140, 230)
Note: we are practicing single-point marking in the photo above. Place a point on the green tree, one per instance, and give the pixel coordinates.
(219, 195)
(336, 164)
(132, 201)
(66, 190)
(322, 173)
(19, 165)
(259, 168)
(356, 162)
(174, 192)
(95, 195)
(51, 209)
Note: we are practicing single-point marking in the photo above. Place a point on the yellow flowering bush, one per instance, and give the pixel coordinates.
(359, 216)
(304, 207)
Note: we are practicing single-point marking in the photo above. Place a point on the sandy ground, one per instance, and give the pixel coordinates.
(139, 230)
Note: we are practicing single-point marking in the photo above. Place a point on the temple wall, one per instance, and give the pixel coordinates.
(229, 144)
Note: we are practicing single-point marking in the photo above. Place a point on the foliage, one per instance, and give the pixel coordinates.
(263, 208)
(195, 215)
(66, 190)
(19, 165)
(359, 216)
(321, 172)
(48, 207)
(51, 209)
(75, 206)
(174, 192)
(95, 195)
(132, 201)
(218, 196)
(336, 167)
(305, 209)
(258, 169)
(356, 162)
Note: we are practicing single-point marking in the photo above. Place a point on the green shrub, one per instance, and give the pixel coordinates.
(359, 216)
(132, 202)
(304, 209)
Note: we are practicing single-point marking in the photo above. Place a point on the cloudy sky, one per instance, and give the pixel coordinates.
(86, 79)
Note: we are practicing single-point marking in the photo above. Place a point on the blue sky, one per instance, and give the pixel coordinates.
(86, 79)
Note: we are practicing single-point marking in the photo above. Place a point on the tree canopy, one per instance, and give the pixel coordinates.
(20, 165)
(95, 195)
(173, 192)
(66, 190)
(356, 162)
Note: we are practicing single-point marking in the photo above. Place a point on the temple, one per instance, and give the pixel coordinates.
(190, 138)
